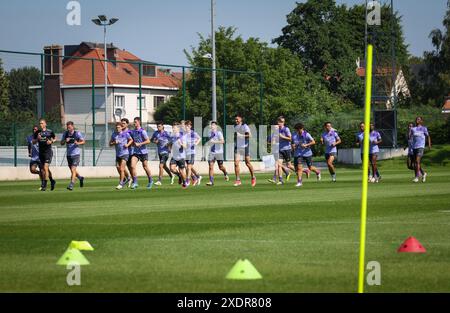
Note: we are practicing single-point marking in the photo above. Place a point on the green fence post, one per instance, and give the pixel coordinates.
(224, 126)
(261, 114)
(93, 111)
(15, 143)
(184, 93)
(42, 86)
(140, 91)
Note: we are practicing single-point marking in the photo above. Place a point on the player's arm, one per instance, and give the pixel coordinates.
(112, 142)
(285, 137)
(338, 142)
(80, 141)
(63, 139)
(197, 139)
(378, 140)
(309, 144)
(129, 142)
(321, 140)
(429, 140)
(52, 138)
(29, 147)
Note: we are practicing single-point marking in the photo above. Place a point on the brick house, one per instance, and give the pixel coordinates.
(68, 84)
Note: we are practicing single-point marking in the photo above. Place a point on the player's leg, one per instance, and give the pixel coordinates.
(223, 169)
(330, 165)
(250, 169)
(299, 168)
(312, 168)
(147, 170)
(211, 172)
(132, 167)
(237, 169)
(182, 172)
(122, 167)
(376, 174)
(188, 170)
(418, 159)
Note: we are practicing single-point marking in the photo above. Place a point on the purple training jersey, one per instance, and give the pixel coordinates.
(72, 148)
(191, 138)
(34, 148)
(418, 135)
(284, 143)
(139, 136)
(121, 140)
(329, 138)
(163, 141)
(298, 140)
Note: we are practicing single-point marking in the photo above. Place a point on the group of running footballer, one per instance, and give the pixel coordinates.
(131, 148)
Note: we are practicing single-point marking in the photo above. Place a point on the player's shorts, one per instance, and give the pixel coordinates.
(328, 155)
(35, 162)
(285, 155)
(125, 157)
(299, 159)
(141, 157)
(163, 157)
(419, 152)
(190, 159)
(242, 151)
(46, 157)
(215, 157)
(181, 163)
(411, 158)
(370, 156)
(73, 160)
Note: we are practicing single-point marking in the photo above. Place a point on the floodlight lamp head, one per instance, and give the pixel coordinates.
(97, 21)
(113, 20)
(207, 56)
(103, 18)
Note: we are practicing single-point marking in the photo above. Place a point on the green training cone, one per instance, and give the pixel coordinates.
(72, 256)
(243, 269)
(81, 245)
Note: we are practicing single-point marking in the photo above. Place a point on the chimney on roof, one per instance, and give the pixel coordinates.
(53, 69)
(111, 52)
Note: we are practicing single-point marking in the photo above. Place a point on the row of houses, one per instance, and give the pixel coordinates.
(68, 84)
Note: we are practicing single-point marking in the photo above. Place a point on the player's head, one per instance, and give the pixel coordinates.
(281, 121)
(299, 127)
(372, 126)
(42, 123)
(362, 126)
(213, 125)
(119, 126)
(70, 127)
(125, 122)
(160, 125)
(183, 124)
(176, 127)
(410, 125)
(327, 126)
(419, 120)
(188, 125)
(35, 129)
(238, 119)
(137, 122)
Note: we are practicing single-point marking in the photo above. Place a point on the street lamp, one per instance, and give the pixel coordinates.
(102, 20)
(213, 59)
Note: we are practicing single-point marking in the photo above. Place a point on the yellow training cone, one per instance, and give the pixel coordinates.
(72, 256)
(81, 245)
(243, 269)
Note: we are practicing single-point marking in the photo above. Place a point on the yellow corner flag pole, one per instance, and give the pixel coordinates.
(362, 239)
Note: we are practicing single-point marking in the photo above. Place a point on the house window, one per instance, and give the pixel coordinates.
(119, 102)
(158, 100)
(144, 106)
(149, 70)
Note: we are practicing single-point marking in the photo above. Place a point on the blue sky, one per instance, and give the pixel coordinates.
(159, 30)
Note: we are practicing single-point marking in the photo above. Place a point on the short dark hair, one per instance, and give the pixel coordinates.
(214, 122)
(159, 123)
(176, 124)
(188, 122)
(69, 123)
(299, 126)
(125, 120)
(137, 118)
(281, 119)
(325, 124)
(118, 124)
(361, 123)
(239, 115)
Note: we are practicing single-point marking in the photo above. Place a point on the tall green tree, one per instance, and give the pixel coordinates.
(21, 97)
(329, 38)
(4, 98)
(433, 82)
(289, 89)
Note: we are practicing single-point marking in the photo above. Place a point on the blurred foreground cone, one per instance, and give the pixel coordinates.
(411, 245)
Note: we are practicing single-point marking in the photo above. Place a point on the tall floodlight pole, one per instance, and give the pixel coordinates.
(213, 59)
(102, 20)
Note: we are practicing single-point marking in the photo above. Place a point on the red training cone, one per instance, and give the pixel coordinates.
(411, 245)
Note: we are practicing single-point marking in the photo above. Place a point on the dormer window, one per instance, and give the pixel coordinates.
(149, 70)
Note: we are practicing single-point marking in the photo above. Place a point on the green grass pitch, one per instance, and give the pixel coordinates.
(174, 240)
